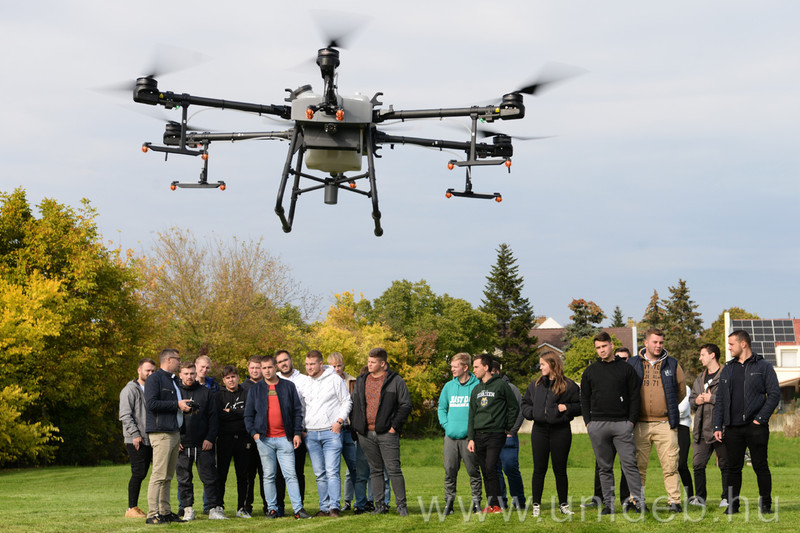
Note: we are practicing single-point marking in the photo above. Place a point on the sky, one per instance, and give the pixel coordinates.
(673, 156)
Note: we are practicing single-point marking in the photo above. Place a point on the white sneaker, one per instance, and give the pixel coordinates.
(188, 514)
(697, 502)
(724, 502)
(217, 513)
(564, 508)
(536, 510)
(241, 513)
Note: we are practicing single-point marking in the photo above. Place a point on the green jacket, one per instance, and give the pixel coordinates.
(493, 408)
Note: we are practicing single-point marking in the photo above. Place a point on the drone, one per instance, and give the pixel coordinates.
(332, 135)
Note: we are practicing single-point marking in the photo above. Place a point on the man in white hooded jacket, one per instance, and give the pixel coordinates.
(327, 403)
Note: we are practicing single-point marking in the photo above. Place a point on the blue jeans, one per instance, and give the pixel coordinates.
(354, 486)
(325, 451)
(274, 451)
(509, 463)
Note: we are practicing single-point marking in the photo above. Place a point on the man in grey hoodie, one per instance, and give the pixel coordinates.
(132, 416)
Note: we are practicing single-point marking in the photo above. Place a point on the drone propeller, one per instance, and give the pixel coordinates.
(166, 60)
(551, 74)
(338, 28)
(486, 132)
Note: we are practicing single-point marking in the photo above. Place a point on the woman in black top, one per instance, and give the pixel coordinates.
(552, 401)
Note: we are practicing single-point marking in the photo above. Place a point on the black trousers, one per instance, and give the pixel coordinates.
(300, 469)
(234, 447)
(684, 443)
(737, 439)
(140, 462)
(207, 471)
(487, 449)
(550, 442)
(702, 453)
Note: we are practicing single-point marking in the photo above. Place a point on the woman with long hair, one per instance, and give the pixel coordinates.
(552, 401)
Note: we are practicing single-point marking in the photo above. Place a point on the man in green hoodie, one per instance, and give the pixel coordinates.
(493, 410)
(453, 417)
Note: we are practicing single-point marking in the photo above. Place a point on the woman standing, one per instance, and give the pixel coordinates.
(552, 401)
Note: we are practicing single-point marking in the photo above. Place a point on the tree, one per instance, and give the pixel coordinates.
(513, 316)
(618, 319)
(654, 313)
(76, 325)
(586, 318)
(683, 326)
(227, 298)
(716, 333)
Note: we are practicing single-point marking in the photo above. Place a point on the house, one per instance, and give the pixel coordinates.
(778, 340)
(550, 335)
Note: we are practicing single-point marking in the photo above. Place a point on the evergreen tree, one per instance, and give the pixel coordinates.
(682, 326)
(586, 318)
(513, 317)
(618, 319)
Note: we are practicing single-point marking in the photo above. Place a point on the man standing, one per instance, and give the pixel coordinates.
(233, 441)
(132, 416)
(327, 407)
(198, 434)
(381, 405)
(509, 455)
(662, 390)
(454, 419)
(203, 364)
(493, 410)
(254, 376)
(286, 370)
(748, 394)
(165, 409)
(353, 486)
(702, 399)
(273, 417)
(623, 354)
(610, 404)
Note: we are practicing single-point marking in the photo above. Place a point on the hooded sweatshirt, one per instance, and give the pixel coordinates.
(326, 399)
(493, 408)
(454, 406)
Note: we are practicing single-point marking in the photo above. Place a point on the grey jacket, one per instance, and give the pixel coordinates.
(703, 430)
(132, 413)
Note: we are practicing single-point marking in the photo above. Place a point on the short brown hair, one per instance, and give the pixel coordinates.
(653, 331)
(254, 359)
(742, 336)
(314, 354)
(228, 370)
(379, 353)
(187, 364)
(146, 360)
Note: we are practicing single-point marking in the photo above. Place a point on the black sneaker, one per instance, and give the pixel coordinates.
(347, 506)
(476, 507)
(154, 520)
(675, 508)
(402, 511)
(448, 509)
(272, 514)
(172, 517)
(301, 514)
(359, 510)
(607, 510)
(380, 508)
(369, 507)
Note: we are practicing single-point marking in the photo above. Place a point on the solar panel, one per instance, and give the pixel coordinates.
(765, 333)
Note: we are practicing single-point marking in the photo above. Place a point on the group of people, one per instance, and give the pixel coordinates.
(176, 416)
(630, 405)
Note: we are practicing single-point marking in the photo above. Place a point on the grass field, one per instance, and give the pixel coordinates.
(65, 499)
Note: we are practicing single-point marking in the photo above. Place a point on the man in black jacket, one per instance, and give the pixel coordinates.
(164, 417)
(610, 403)
(747, 394)
(381, 405)
(233, 441)
(198, 434)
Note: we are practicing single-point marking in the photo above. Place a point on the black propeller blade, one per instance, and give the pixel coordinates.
(551, 74)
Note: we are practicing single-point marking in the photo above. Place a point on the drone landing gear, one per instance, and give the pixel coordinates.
(202, 183)
(331, 185)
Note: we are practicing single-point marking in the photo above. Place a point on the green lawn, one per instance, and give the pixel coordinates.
(64, 499)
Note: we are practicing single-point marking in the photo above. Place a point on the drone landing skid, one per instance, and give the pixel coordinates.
(198, 185)
(496, 196)
(331, 184)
